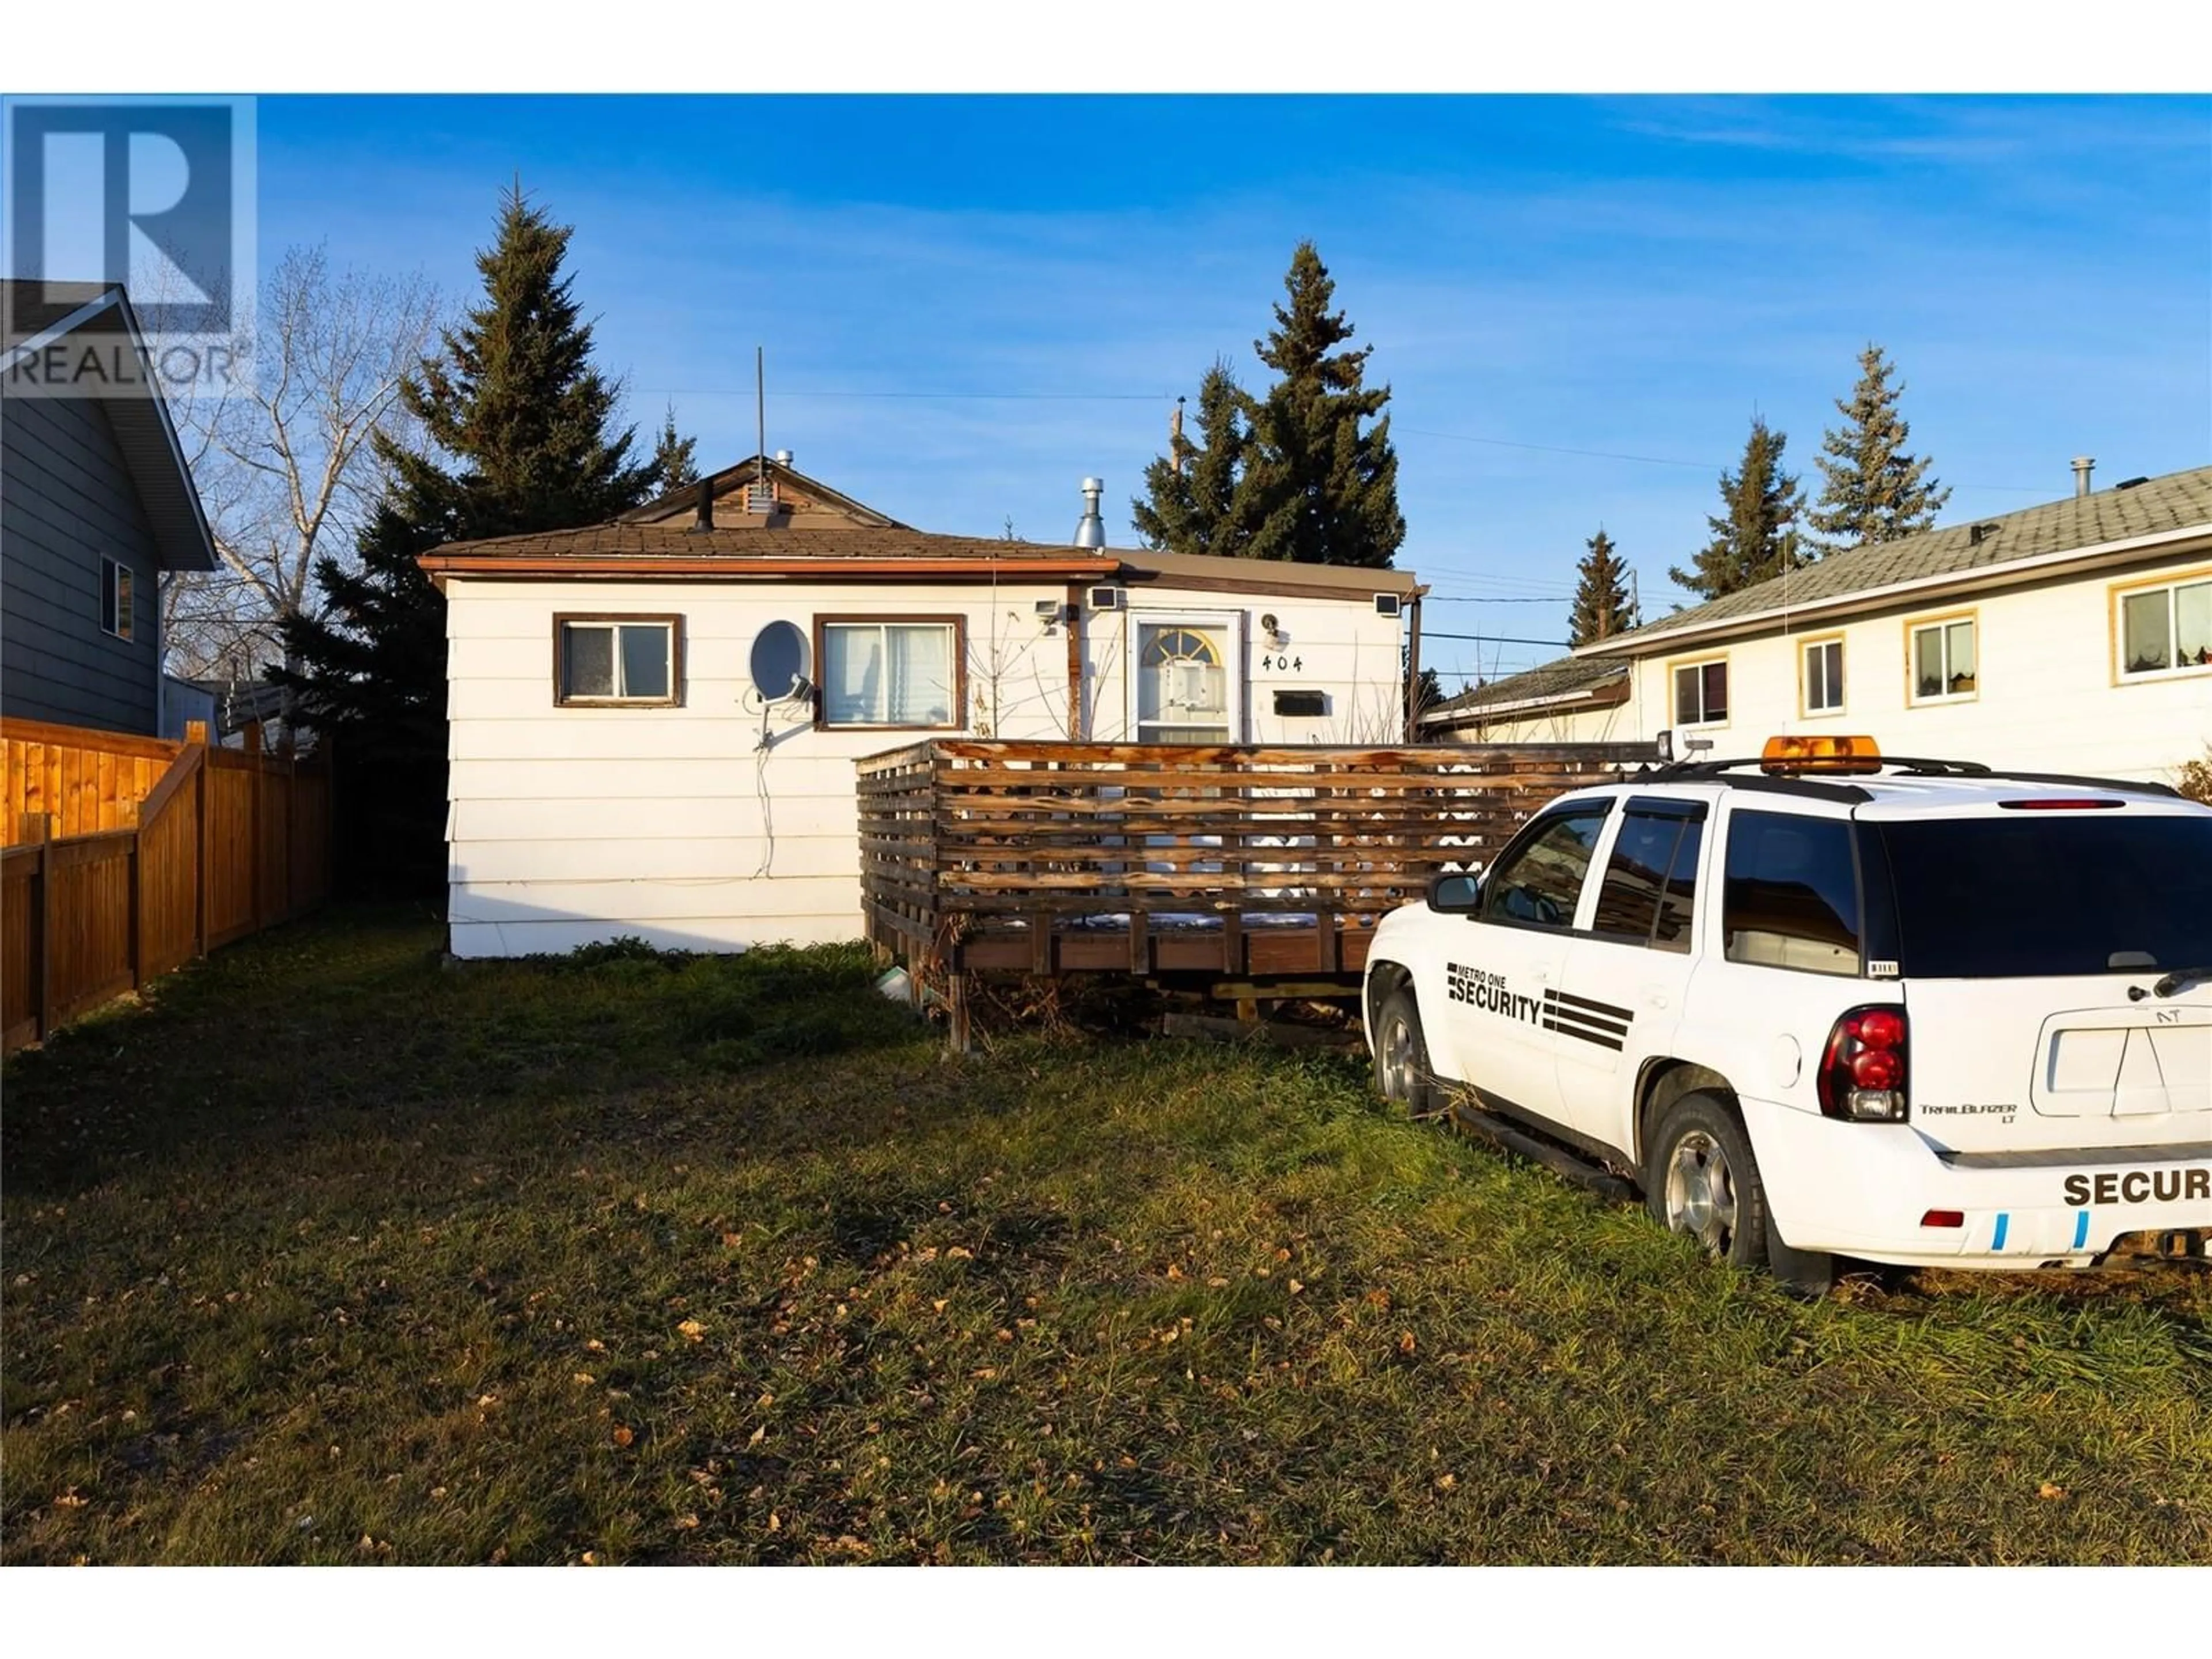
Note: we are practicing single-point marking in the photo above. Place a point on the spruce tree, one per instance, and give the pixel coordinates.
(1601, 602)
(519, 439)
(1325, 491)
(1755, 536)
(1874, 489)
(1194, 496)
(675, 458)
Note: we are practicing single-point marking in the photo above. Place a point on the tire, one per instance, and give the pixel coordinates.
(1701, 1179)
(1401, 1054)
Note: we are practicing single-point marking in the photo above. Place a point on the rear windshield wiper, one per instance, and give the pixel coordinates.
(2179, 978)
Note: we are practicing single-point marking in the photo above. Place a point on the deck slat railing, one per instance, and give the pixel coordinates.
(1055, 857)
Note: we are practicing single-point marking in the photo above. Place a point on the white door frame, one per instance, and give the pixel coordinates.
(1229, 624)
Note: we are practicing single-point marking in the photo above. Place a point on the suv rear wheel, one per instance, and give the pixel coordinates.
(1701, 1179)
(1401, 1054)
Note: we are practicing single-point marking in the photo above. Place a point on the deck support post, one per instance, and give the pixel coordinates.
(956, 1011)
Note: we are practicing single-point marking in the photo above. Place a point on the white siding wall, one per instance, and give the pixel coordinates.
(2049, 698)
(569, 825)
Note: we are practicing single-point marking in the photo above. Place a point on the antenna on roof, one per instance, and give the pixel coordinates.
(760, 497)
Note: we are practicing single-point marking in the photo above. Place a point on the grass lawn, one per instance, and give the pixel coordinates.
(334, 1254)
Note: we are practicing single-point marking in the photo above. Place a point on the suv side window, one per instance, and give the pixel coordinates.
(1651, 877)
(1791, 897)
(1539, 882)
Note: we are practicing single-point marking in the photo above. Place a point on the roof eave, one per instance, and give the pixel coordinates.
(2006, 573)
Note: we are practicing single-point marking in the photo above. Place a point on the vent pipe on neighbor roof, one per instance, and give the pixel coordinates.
(2083, 466)
(703, 510)
(783, 458)
(1090, 531)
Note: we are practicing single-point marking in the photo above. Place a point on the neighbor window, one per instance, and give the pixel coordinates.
(1824, 677)
(2164, 629)
(115, 599)
(1943, 659)
(1701, 694)
(617, 660)
(903, 672)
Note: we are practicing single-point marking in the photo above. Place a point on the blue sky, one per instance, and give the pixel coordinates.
(969, 303)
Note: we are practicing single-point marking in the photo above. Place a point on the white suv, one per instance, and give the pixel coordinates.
(1826, 1003)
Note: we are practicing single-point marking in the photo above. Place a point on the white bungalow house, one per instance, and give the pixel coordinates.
(2075, 636)
(653, 722)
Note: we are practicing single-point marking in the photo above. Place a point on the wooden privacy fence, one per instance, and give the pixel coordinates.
(1256, 863)
(111, 883)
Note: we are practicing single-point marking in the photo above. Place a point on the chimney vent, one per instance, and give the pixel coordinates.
(702, 511)
(2083, 466)
(783, 458)
(1090, 530)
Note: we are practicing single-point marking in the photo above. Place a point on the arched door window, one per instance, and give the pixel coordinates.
(1184, 694)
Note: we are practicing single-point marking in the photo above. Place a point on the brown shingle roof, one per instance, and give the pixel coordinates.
(738, 543)
(1561, 677)
(2176, 502)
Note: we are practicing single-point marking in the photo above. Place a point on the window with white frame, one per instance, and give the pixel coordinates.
(1824, 677)
(894, 671)
(1944, 660)
(1701, 694)
(2164, 629)
(617, 661)
(115, 596)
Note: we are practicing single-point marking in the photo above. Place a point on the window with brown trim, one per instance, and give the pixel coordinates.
(617, 661)
(903, 672)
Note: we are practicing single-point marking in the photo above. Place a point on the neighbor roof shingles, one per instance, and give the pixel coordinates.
(2175, 501)
(1560, 679)
(741, 542)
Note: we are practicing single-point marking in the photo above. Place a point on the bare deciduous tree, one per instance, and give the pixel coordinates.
(282, 453)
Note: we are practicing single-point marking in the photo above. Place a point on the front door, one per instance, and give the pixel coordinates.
(1502, 979)
(1187, 675)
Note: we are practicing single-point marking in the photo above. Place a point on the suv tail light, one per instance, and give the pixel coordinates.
(1863, 1072)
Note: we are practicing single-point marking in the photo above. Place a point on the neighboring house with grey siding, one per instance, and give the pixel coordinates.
(96, 505)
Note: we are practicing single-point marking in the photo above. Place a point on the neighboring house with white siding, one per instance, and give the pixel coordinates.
(1570, 700)
(614, 769)
(96, 504)
(2075, 636)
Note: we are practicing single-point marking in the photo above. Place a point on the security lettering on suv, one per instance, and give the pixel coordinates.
(1829, 1005)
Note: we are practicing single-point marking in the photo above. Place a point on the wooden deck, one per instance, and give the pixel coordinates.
(1236, 864)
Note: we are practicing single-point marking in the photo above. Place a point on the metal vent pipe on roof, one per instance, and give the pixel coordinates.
(2083, 466)
(1090, 530)
(783, 458)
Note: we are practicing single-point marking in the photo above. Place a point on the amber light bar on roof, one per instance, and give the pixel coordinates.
(1849, 755)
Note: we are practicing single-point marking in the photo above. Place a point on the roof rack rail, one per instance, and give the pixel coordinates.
(1905, 766)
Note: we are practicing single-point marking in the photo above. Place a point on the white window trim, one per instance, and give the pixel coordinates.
(124, 608)
(1805, 649)
(671, 628)
(2122, 674)
(1915, 697)
(1673, 702)
(1231, 624)
(956, 696)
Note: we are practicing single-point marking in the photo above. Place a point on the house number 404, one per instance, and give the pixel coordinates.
(1293, 663)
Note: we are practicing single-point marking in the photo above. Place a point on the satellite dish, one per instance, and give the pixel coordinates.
(780, 662)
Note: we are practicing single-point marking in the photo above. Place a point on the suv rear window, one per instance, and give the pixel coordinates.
(1791, 895)
(2040, 893)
